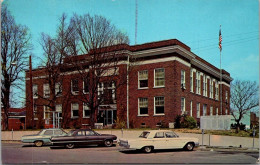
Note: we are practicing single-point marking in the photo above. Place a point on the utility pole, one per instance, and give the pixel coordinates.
(31, 91)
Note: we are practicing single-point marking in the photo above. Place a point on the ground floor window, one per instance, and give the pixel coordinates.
(74, 110)
(86, 111)
(143, 106)
(159, 105)
(107, 117)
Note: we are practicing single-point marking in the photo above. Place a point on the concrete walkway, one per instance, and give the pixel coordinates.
(206, 139)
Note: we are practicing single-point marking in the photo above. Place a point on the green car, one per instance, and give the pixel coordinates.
(43, 137)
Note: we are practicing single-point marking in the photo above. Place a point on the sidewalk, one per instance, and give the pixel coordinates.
(205, 140)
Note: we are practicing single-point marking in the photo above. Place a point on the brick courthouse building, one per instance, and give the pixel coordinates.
(167, 80)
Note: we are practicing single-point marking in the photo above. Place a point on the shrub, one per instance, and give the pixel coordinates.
(120, 123)
(184, 121)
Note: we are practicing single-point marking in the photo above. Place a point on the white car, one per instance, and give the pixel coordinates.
(159, 139)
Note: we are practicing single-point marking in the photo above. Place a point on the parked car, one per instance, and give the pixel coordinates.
(81, 137)
(43, 137)
(159, 139)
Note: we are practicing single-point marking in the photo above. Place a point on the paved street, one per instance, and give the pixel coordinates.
(17, 153)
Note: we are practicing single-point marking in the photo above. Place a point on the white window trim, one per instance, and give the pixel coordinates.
(139, 107)
(184, 107)
(183, 82)
(139, 80)
(73, 92)
(46, 90)
(57, 87)
(191, 108)
(216, 111)
(158, 114)
(59, 111)
(198, 110)
(191, 80)
(35, 86)
(204, 111)
(154, 86)
(74, 117)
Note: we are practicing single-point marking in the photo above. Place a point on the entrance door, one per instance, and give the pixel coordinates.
(110, 117)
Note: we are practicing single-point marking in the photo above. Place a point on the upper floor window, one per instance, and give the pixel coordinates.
(211, 89)
(58, 89)
(75, 86)
(159, 105)
(226, 100)
(143, 79)
(159, 77)
(74, 110)
(86, 85)
(182, 105)
(191, 80)
(107, 92)
(183, 79)
(216, 91)
(46, 90)
(205, 86)
(198, 83)
(143, 106)
(35, 91)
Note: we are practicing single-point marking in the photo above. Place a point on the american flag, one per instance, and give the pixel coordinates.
(220, 40)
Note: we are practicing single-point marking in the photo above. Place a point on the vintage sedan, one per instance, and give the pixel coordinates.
(43, 137)
(159, 139)
(81, 137)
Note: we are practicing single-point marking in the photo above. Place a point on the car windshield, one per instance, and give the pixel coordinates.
(144, 134)
(71, 133)
(39, 132)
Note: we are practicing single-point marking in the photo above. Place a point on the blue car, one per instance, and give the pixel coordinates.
(43, 137)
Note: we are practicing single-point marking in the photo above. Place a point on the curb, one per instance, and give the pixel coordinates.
(220, 148)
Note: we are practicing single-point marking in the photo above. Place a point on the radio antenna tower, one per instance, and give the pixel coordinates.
(136, 16)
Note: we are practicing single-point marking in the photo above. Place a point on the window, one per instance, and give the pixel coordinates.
(210, 88)
(217, 91)
(198, 83)
(46, 90)
(47, 115)
(48, 132)
(86, 85)
(107, 92)
(35, 111)
(191, 108)
(216, 111)
(58, 89)
(170, 135)
(74, 110)
(159, 135)
(204, 109)
(182, 105)
(86, 111)
(183, 79)
(58, 108)
(75, 86)
(198, 110)
(211, 110)
(159, 105)
(143, 79)
(191, 80)
(143, 106)
(205, 86)
(35, 91)
(226, 100)
(159, 79)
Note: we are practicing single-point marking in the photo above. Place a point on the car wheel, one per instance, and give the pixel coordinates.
(69, 146)
(147, 149)
(189, 146)
(38, 143)
(108, 143)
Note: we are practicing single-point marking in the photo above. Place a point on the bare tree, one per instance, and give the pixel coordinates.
(15, 40)
(102, 43)
(244, 98)
(55, 50)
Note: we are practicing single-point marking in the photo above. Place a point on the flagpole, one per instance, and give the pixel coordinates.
(220, 49)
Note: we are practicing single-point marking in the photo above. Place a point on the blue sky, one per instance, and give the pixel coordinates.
(194, 22)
